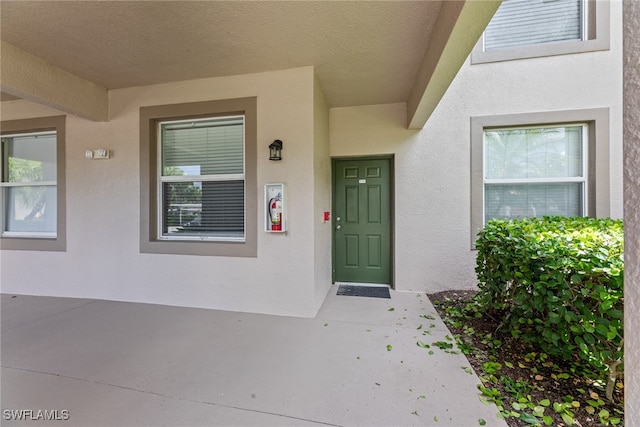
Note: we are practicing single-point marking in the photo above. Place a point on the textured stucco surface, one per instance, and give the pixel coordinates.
(103, 260)
(365, 52)
(432, 166)
(448, 48)
(29, 77)
(322, 195)
(291, 273)
(632, 209)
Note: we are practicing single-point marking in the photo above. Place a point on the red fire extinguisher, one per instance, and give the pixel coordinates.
(275, 213)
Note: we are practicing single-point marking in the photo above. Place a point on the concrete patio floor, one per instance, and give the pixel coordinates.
(127, 364)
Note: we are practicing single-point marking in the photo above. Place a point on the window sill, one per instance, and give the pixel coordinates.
(20, 235)
(202, 239)
(599, 29)
(480, 56)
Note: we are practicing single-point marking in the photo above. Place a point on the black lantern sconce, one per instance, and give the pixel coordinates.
(275, 150)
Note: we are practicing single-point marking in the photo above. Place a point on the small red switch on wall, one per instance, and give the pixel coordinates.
(327, 216)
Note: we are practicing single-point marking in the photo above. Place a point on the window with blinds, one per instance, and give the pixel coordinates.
(527, 22)
(535, 171)
(202, 179)
(29, 185)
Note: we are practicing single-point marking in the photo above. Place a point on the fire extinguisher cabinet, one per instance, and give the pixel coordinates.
(275, 204)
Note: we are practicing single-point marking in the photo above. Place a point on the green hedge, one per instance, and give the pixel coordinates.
(557, 283)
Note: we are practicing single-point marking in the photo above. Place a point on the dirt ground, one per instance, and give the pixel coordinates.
(522, 380)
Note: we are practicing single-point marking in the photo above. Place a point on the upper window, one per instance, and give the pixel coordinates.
(524, 22)
(535, 171)
(534, 28)
(536, 164)
(201, 185)
(198, 178)
(32, 184)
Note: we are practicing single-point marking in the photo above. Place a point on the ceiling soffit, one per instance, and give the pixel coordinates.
(363, 52)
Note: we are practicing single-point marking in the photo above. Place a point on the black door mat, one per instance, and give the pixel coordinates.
(364, 291)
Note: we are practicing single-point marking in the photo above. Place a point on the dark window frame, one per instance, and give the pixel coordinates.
(597, 38)
(150, 241)
(598, 152)
(33, 243)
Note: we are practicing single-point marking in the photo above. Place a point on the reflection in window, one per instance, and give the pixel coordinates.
(536, 171)
(29, 187)
(202, 185)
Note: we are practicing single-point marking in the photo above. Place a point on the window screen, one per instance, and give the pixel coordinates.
(29, 187)
(525, 22)
(202, 184)
(537, 171)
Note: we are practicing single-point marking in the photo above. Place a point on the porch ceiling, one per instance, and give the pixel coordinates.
(364, 52)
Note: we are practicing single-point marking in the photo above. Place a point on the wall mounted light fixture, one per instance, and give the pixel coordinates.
(275, 150)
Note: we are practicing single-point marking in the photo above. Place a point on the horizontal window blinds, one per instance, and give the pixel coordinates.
(523, 22)
(533, 200)
(214, 208)
(203, 187)
(534, 153)
(536, 171)
(203, 148)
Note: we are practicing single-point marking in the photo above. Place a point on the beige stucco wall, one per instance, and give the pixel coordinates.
(30, 77)
(432, 166)
(321, 196)
(632, 213)
(291, 273)
(103, 259)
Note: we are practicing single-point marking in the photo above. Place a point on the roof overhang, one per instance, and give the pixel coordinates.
(68, 55)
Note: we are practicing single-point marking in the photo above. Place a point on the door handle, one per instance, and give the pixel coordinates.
(338, 227)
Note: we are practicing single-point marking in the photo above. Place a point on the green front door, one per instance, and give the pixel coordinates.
(362, 221)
